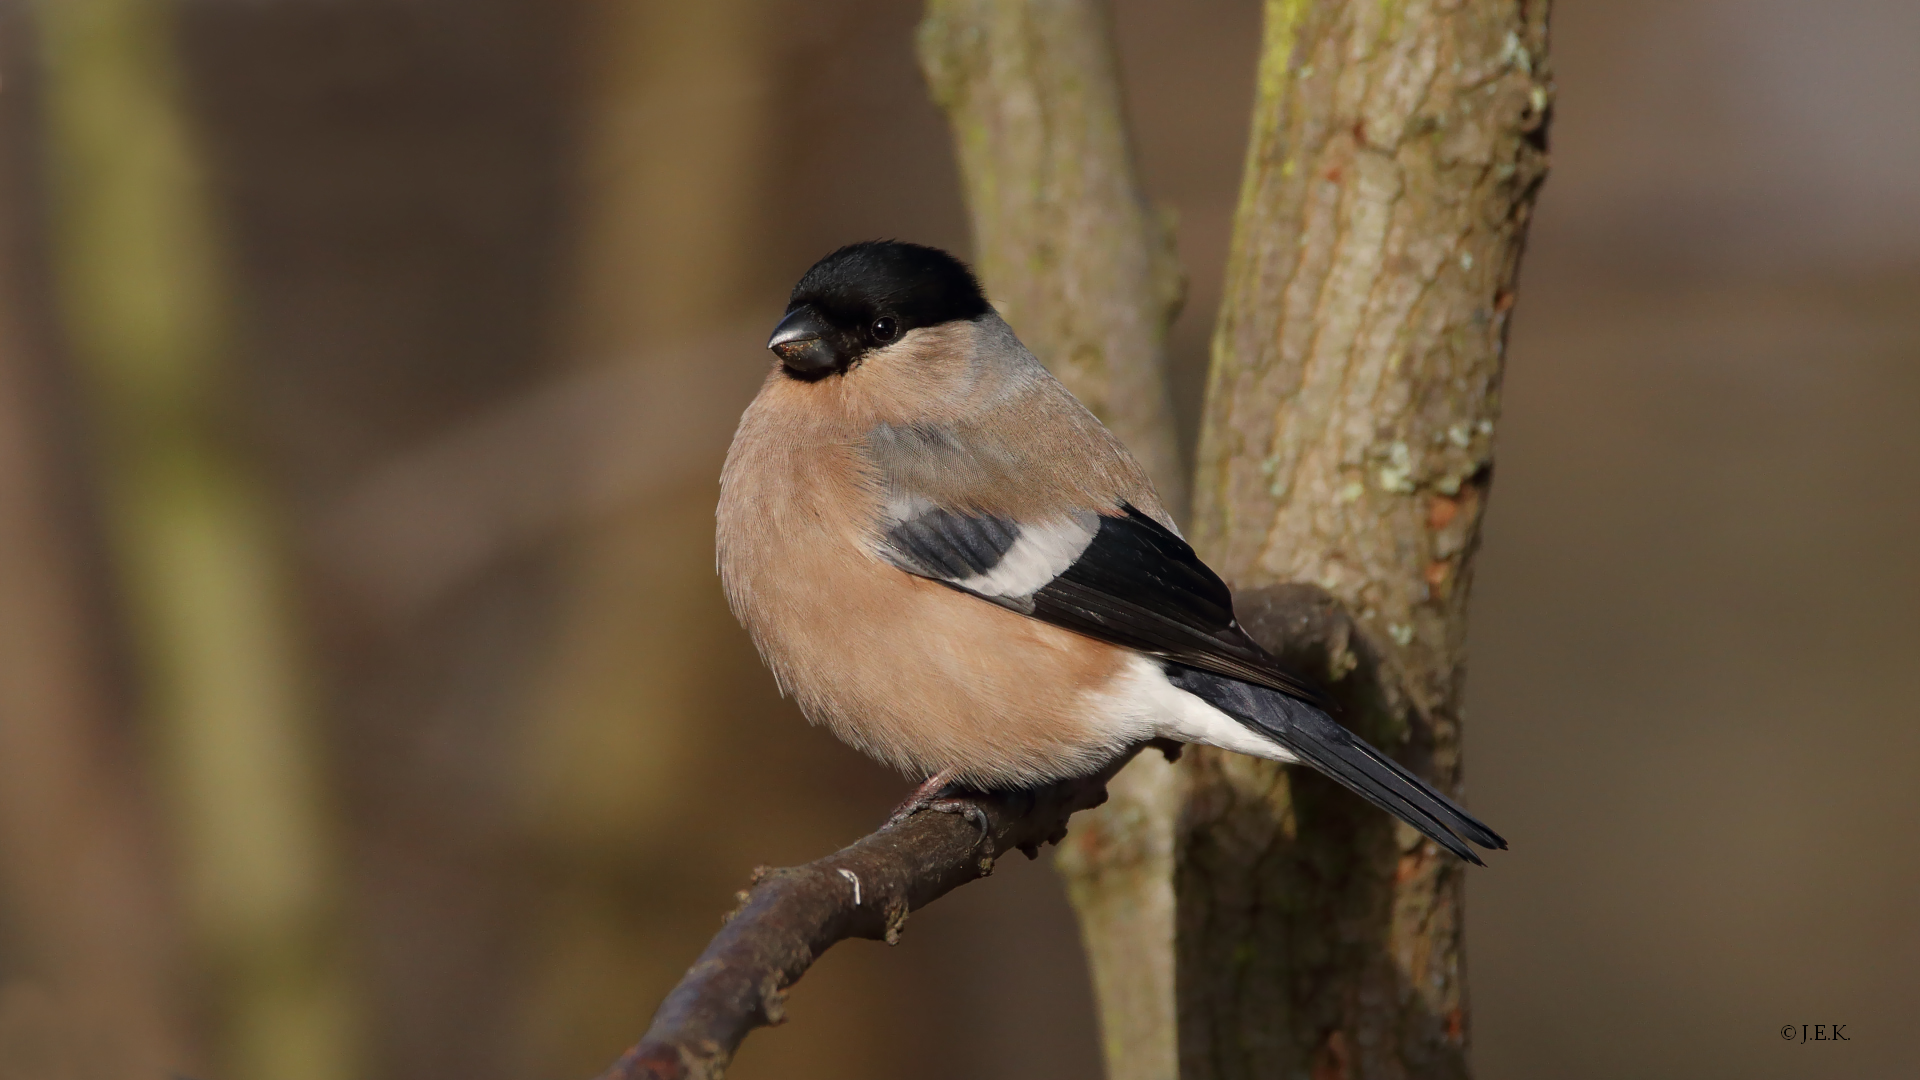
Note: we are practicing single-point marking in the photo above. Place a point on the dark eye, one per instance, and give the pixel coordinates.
(884, 328)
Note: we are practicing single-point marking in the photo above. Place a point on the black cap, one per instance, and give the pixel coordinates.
(866, 296)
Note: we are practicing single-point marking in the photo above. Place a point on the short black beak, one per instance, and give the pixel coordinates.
(801, 343)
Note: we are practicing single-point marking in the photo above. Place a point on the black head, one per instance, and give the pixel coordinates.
(867, 296)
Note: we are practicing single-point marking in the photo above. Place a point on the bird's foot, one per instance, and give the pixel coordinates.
(942, 796)
(931, 790)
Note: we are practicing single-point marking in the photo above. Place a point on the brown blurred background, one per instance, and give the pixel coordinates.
(368, 705)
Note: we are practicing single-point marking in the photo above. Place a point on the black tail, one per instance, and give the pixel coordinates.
(1318, 740)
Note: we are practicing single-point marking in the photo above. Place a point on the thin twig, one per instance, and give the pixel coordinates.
(788, 917)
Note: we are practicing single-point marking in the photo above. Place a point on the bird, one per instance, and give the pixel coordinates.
(949, 562)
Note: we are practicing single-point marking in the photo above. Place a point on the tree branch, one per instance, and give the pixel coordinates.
(788, 917)
(1072, 253)
(1084, 268)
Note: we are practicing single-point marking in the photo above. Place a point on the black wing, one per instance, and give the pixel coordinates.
(1127, 580)
(1132, 581)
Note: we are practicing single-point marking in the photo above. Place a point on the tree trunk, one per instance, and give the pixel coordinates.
(1343, 471)
(1083, 269)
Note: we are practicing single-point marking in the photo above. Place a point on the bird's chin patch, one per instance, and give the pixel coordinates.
(799, 375)
(813, 375)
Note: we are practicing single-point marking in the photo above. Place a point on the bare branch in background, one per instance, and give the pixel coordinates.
(85, 889)
(92, 972)
(144, 303)
(789, 917)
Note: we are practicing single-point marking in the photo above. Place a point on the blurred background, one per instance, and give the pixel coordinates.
(368, 704)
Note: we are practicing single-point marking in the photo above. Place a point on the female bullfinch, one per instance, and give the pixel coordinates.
(948, 561)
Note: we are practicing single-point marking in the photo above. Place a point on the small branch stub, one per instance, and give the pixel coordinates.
(788, 917)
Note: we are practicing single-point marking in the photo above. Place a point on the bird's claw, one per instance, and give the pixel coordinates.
(942, 797)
